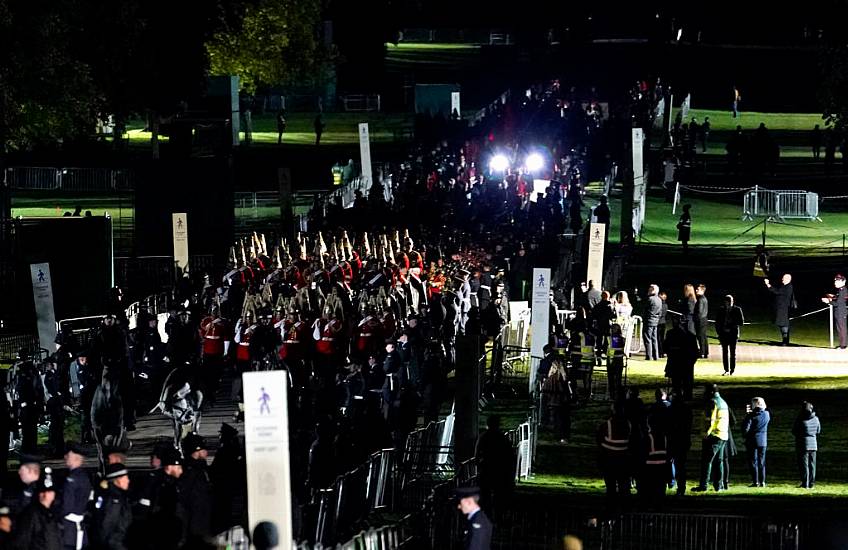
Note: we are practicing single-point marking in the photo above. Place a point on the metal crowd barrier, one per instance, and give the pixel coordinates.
(68, 179)
(523, 439)
(429, 450)
(637, 531)
(11, 344)
(81, 329)
(779, 205)
(354, 495)
(633, 335)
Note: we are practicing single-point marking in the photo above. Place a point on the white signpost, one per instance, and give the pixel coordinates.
(539, 322)
(639, 186)
(179, 220)
(455, 104)
(365, 153)
(42, 294)
(266, 443)
(595, 263)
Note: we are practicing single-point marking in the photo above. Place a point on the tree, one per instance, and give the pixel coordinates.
(275, 42)
(833, 92)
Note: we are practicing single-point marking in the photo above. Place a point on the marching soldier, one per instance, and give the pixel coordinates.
(327, 333)
(367, 335)
(215, 338)
(484, 294)
(76, 494)
(265, 339)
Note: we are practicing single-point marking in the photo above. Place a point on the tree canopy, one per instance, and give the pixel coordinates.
(275, 42)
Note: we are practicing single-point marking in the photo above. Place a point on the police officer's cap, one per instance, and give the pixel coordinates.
(172, 458)
(466, 492)
(193, 442)
(5, 511)
(75, 448)
(114, 471)
(265, 535)
(30, 459)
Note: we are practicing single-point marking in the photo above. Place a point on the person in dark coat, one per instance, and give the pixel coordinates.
(679, 439)
(29, 473)
(55, 410)
(478, 528)
(229, 478)
(729, 321)
(784, 300)
(688, 305)
(496, 465)
(196, 489)
(653, 312)
(663, 322)
(684, 227)
(839, 298)
(30, 403)
(681, 348)
(755, 430)
(806, 430)
(148, 496)
(113, 510)
(37, 527)
(169, 517)
(701, 320)
(76, 495)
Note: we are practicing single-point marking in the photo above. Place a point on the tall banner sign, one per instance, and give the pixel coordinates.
(266, 444)
(365, 153)
(455, 104)
(639, 183)
(179, 220)
(595, 263)
(42, 294)
(684, 108)
(539, 322)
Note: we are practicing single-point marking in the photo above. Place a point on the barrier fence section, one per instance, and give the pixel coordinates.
(354, 495)
(68, 179)
(141, 276)
(792, 204)
(11, 344)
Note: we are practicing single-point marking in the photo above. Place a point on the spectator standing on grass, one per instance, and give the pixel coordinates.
(613, 438)
(661, 326)
(806, 430)
(729, 321)
(784, 300)
(705, 133)
(702, 320)
(684, 227)
(679, 439)
(653, 313)
(737, 98)
(681, 348)
(717, 419)
(319, 126)
(839, 298)
(281, 125)
(755, 430)
(816, 141)
(556, 394)
(688, 304)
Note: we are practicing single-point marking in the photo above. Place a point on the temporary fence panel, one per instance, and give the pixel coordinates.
(11, 344)
(81, 329)
(35, 178)
(790, 204)
(633, 335)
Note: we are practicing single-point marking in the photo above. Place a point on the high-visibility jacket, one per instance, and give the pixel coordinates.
(616, 436)
(718, 419)
(657, 450)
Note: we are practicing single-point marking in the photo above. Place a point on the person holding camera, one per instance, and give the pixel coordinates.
(755, 430)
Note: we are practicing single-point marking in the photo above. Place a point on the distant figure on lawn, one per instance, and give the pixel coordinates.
(737, 97)
(806, 430)
(784, 300)
(684, 227)
(816, 141)
(319, 128)
(281, 125)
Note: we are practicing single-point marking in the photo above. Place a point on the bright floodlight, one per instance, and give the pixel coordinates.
(534, 162)
(499, 163)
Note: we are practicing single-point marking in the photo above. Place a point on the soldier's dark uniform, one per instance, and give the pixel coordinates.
(113, 512)
(76, 494)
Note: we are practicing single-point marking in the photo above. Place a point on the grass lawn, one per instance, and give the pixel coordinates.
(572, 469)
(340, 129)
(724, 121)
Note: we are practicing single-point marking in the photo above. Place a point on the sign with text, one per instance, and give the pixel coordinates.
(179, 221)
(539, 322)
(455, 104)
(266, 444)
(639, 183)
(595, 263)
(365, 153)
(42, 295)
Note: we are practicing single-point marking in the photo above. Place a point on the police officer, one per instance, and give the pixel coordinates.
(614, 442)
(88, 380)
(113, 511)
(149, 495)
(195, 488)
(228, 477)
(55, 409)
(76, 494)
(30, 404)
(478, 528)
(36, 527)
(29, 472)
